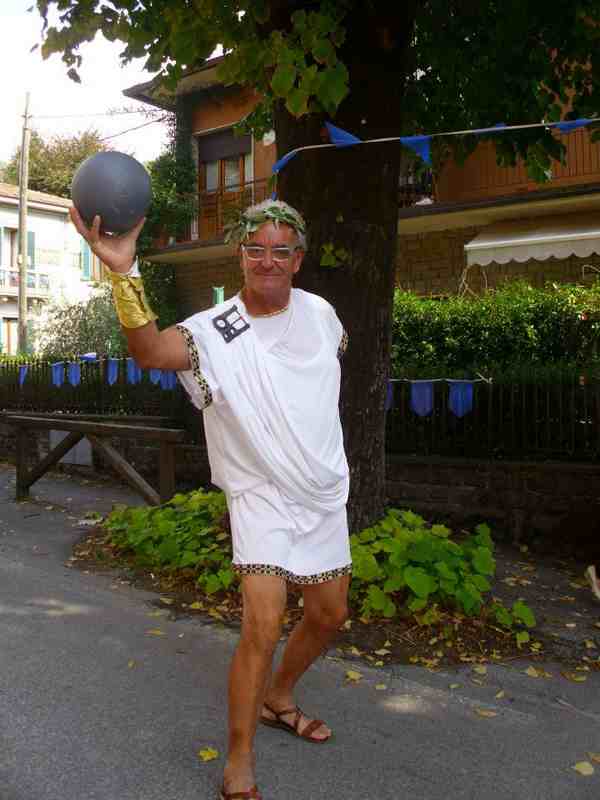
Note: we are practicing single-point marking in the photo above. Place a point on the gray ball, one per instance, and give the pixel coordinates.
(116, 187)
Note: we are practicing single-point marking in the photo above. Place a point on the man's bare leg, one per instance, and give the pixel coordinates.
(264, 598)
(325, 610)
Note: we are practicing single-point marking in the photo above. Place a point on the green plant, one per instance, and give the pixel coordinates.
(185, 533)
(404, 565)
(498, 332)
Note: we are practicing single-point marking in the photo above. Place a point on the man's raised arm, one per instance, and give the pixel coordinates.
(150, 347)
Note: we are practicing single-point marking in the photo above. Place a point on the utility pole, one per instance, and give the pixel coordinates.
(23, 185)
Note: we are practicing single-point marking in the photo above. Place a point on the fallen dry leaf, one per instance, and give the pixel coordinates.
(480, 669)
(532, 672)
(584, 768)
(156, 632)
(383, 652)
(387, 643)
(594, 757)
(571, 625)
(379, 664)
(455, 685)
(574, 677)
(353, 675)
(500, 695)
(590, 645)
(197, 606)
(381, 687)
(355, 651)
(347, 625)
(131, 664)
(168, 601)
(208, 754)
(483, 712)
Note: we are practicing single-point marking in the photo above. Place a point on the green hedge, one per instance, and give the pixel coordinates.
(510, 329)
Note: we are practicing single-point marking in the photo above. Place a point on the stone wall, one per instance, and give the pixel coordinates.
(520, 498)
(433, 263)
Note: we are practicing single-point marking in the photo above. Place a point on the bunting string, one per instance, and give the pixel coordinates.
(421, 144)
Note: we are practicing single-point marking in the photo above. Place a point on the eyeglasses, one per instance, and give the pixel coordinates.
(256, 252)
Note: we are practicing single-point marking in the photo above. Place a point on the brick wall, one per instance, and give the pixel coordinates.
(521, 498)
(434, 262)
(194, 283)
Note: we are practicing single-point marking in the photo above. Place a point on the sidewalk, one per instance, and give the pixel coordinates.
(93, 706)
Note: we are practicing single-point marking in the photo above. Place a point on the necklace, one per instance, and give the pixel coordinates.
(269, 313)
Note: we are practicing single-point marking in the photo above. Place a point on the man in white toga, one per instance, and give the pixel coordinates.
(264, 368)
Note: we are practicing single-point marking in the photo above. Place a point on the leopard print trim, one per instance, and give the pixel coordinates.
(280, 572)
(205, 390)
(343, 345)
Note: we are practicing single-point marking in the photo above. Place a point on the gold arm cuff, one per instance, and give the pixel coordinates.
(130, 299)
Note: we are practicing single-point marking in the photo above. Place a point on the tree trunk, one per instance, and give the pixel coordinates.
(349, 197)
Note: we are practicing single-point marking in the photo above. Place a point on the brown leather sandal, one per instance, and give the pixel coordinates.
(251, 794)
(293, 727)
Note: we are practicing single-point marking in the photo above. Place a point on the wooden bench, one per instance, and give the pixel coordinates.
(97, 434)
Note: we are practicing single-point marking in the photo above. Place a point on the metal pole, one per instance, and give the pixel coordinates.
(23, 185)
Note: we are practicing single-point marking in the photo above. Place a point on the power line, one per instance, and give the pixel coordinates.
(95, 114)
(137, 127)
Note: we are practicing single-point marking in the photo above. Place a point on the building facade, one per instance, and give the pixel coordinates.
(466, 229)
(60, 264)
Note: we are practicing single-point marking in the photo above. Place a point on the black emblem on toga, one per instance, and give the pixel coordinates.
(230, 324)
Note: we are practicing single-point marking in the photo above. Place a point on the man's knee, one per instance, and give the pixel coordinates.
(263, 630)
(329, 617)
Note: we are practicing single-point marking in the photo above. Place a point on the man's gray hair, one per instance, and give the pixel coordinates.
(250, 220)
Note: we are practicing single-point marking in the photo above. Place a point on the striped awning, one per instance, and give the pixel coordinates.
(536, 239)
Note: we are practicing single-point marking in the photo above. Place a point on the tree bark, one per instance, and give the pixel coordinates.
(349, 197)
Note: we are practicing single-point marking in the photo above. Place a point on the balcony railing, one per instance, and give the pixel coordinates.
(38, 283)
(215, 208)
(481, 178)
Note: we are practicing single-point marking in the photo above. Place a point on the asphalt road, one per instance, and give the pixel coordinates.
(93, 707)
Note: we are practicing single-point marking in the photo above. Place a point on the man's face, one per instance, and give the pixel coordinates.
(263, 259)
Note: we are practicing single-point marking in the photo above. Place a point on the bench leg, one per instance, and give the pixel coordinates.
(167, 471)
(22, 489)
(125, 470)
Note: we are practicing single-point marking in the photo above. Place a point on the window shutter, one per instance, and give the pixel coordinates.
(86, 261)
(31, 249)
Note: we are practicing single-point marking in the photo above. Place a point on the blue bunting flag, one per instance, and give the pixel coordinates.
(421, 397)
(58, 373)
(460, 400)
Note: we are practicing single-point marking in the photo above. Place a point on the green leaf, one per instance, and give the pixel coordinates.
(299, 20)
(168, 551)
(389, 610)
(394, 583)
(481, 583)
(523, 613)
(333, 87)
(297, 102)
(522, 637)
(283, 80)
(419, 581)
(503, 616)
(324, 52)
(417, 604)
(483, 561)
(212, 584)
(440, 530)
(377, 598)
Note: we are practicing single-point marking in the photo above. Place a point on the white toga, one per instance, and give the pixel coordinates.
(269, 389)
